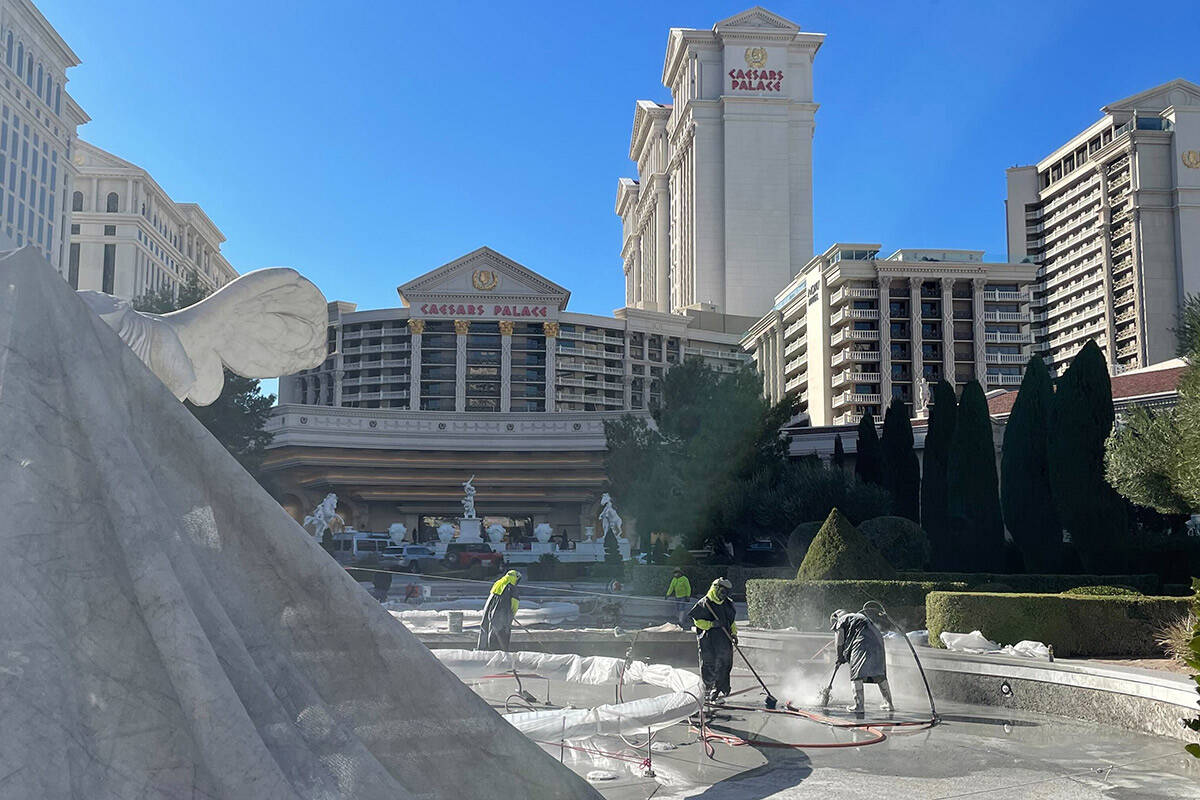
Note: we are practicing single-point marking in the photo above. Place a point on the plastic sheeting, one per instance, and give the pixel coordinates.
(433, 619)
(684, 690)
(976, 642)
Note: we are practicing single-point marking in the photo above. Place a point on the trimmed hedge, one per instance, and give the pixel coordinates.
(1074, 625)
(1146, 584)
(806, 605)
(651, 580)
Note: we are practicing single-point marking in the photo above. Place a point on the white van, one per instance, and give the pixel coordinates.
(354, 545)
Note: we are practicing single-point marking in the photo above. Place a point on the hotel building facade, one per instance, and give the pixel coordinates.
(129, 237)
(483, 371)
(854, 330)
(38, 122)
(1112, 221)
(720, 215)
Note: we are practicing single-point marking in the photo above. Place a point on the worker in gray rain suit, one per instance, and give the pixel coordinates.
(716, 634)
(495, 628)
(859, 643)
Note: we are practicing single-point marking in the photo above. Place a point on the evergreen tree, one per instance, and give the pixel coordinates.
(868, 462)
(839, 452)
(976, 527)
(1025, 493)
(238, 418)
(938, 435)
(901, 468)
(1080, 422)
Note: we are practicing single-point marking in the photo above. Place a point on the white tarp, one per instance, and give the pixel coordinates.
(976, 642)
(424, 618)
(684, 690)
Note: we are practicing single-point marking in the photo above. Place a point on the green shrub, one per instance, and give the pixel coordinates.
(1103, 591)
(807, 604)
(658, 551)
(840, 552)
(1003, 588)
(799, 540)
(902, 542)
(1045, 584)
(1073, 625)
(681, 557)
(651, 580)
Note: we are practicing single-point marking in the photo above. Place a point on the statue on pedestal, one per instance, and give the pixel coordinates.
(609, 518)
(923, 395)
(325, 517)
(468, 501)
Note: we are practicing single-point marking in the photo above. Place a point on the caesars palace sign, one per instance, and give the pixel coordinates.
(485, 281)
(756, 79)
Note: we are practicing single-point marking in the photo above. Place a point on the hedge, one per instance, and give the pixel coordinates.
(1146, 584)
(806, 605)
(652, 579)
(1074, 625)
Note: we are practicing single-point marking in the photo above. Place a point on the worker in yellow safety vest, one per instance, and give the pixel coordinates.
(495, 629)
(716, 634)
(680, 590)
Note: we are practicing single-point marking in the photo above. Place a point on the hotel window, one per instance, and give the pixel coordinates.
(8, 50)
(77, 201)
(29, 70)
(111, 203)
(39, 80)
(20, 59)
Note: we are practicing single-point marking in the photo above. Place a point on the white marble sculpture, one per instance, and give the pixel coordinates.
(542, 532)
(1193, 525)
(495, 533)
(397, 531)
(468, 501)
(325, 517)
(445, 532)
(923, 395)
(266, 323)
(609, 518)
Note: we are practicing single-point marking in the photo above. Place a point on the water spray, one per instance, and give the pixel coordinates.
(877, 608)
(770, 702)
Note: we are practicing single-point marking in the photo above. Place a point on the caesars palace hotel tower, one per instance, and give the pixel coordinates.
(720, 215)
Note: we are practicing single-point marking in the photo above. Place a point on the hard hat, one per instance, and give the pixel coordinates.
(835, 616)
(723, 583)
(514, 575)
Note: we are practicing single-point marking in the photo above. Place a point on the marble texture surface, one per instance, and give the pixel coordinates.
(170, 632)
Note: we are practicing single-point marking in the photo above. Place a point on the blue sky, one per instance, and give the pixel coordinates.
(367, 142)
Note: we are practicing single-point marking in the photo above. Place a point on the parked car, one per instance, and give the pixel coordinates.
(410, 557)
(358, 545)
(463, 555)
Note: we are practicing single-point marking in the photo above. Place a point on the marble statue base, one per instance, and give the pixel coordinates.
(470, 530)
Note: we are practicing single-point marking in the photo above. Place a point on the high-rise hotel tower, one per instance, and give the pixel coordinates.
(1112, 220)
(720, 215)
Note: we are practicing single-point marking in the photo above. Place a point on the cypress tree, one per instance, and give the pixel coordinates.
(868, 463)
(1081, 419)
(839, 452)
(1025, 495)
(938, 435)
(976, 527)
(901, 468)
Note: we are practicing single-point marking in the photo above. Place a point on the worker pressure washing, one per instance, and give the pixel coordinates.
(716, 632)
(495, 629)
(859, 644)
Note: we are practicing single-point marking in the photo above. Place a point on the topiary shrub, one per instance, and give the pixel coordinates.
(902, 542)
(1102, 591)
(840, 552)
(658, 551)
(1074, 625)
(799, 540)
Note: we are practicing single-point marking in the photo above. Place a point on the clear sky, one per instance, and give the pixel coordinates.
(367, 142)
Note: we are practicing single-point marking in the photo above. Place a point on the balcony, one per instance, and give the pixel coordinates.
(1128, 350)
(796, 382)
(795, 346)
(854, 398)
(852, 292)
(996, 296)
(1005, 358)
(796, 326)
(845, 336)
(1006, 316)
(1003, 380)
(1125, 282)
(856, 356)
(850, 376)
(847, 419)
(1007, 338)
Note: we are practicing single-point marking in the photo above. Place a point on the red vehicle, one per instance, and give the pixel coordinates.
(463, 555)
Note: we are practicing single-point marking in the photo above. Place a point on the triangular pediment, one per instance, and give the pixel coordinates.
(88, 155)
(485, 275)
(1172, 93)
(757, 17)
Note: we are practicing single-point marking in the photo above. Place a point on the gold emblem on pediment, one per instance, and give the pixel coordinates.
(485, 280)
(1191, 159)
(756, 57)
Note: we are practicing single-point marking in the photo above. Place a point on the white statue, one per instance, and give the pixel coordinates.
(542, 532)
(397, 531)
(923, 395)
(495, 533)
(325, 517)
(468, 501)
(609, 518)
(1193, 525)
(266, 323)
(445, 532)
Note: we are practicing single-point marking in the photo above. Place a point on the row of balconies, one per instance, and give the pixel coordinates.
(576, 397)
(1092, 331)
(1072, 193)
(569, 363)
(391, 395)
(709, 352)
(1071, 320)
(1059, 277)
(1068, 226)
(1088, 247)
(591, 337)
(403, 347)
(1066, 244)
(584, 383)
(1062, 212)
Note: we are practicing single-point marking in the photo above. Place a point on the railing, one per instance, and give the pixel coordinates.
(1006, 316)
(847, 419)
(1127, 350)
(846, 292)
(1015, 338)
(1003, 380)
(796, 382)
(997, 296)
(796, 326)
(1123, 283)
(1005, 358)
(854, 398)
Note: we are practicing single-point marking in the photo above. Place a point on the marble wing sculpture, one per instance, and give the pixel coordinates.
(266, 323)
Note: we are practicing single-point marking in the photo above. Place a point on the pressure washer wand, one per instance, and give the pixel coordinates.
(771, 701)
(823, 696)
